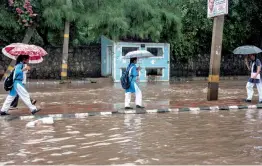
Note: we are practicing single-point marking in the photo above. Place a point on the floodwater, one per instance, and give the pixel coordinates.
(103, 96)
(224, 137)
(106, 92)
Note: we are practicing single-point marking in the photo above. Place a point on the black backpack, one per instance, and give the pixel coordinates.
(9, 81)
(125, 79)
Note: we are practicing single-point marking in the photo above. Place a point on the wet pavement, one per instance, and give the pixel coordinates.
(225, 137)
(105, 96)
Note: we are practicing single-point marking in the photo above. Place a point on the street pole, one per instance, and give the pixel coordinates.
(65, 52)
(216, 48)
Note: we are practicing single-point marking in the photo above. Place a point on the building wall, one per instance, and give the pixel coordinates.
(161, 62)
(231, 65)
(83, 62)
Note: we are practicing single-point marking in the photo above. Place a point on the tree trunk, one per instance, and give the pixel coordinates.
(43, 35)
(65, 51)
(28, 35)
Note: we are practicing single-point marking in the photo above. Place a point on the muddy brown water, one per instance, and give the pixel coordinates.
(108, 93)
(185, 138)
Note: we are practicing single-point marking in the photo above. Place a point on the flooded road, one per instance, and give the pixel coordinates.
(113, 93)
(185, 138)
(79, 97)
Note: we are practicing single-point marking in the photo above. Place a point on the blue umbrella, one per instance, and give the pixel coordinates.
(245, 50)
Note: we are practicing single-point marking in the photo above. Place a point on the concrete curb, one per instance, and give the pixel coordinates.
(106, 113)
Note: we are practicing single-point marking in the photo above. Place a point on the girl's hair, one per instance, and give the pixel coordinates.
(21, 58)
(132, 60)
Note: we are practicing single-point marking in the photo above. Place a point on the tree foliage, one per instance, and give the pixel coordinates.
(141, 20)
(9, 27)
(242, 26)
(182, 23)
(24, 11)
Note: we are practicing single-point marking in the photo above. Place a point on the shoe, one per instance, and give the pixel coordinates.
(246, 100)
(141, 107)
(35, 111)
(12, 108)
(128, 108)
(33, 102)
(4, 113)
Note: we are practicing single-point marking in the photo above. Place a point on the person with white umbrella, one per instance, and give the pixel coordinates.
(255, 79)
(254, 67)
(132, 73)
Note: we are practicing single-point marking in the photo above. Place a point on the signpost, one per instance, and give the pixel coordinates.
(216, 9)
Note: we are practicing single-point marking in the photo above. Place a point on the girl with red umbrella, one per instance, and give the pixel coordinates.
(18, 87)
(15, 102)
(23, 54)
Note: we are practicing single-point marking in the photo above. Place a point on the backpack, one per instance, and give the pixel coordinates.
(125, 78)
(9, 81)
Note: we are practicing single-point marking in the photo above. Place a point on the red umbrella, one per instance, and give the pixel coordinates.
(35, 52)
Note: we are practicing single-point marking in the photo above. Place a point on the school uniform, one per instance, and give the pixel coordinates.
(257, 81)
(18, 89)
(133, 74)
(15, 102)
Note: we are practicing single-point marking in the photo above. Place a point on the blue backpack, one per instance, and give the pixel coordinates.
(125, 82)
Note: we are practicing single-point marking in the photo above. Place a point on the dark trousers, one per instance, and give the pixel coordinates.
(15, 102)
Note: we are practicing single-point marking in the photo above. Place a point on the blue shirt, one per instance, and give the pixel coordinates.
(18, 74)
(132, 77)
(18, 78)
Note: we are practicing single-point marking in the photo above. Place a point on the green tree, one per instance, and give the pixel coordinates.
(140, 20)
(10, 30)
(21, 17)
(182, 23)
(59, 12)
(242, 26)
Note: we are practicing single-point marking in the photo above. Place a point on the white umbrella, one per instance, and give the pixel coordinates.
(245, 50)
(138, 54)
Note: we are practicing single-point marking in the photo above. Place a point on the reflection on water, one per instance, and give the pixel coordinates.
(184, 138)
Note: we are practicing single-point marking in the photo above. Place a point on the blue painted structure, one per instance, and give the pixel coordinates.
(113, 64)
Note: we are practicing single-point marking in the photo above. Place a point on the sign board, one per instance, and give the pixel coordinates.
(217, 8)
